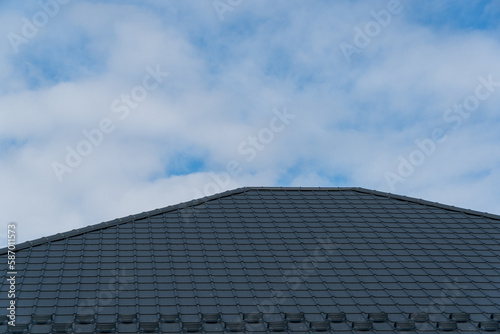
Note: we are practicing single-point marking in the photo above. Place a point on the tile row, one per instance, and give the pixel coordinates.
(254, 321)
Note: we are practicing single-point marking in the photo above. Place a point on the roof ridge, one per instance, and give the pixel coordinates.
(198, 201)
(124, 220)
(390, 195)
(428, 203)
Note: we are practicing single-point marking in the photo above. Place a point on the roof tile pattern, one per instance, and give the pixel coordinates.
(266, 260)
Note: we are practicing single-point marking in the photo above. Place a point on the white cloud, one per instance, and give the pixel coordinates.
(353, 120)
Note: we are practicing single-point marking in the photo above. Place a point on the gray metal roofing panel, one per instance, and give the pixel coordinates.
(269, 250)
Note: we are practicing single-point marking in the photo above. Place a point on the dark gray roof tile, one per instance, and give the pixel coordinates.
(292, 254)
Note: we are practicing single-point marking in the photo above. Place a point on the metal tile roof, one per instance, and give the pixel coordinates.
(265, 260)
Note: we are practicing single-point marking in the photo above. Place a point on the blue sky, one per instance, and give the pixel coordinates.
(111, 108)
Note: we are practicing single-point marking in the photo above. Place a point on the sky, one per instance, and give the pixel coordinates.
(112, 108)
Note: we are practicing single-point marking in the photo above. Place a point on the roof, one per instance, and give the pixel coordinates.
(263, 260)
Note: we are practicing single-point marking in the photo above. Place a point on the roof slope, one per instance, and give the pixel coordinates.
(294, 259)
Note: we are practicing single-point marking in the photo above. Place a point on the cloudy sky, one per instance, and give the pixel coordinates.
(110, 108)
